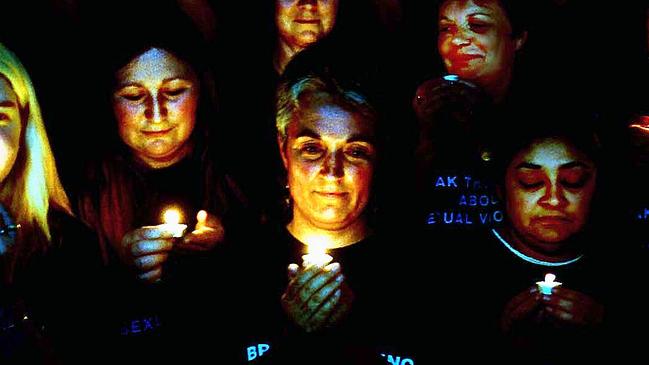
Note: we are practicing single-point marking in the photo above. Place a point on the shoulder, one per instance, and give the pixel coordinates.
(71, 237)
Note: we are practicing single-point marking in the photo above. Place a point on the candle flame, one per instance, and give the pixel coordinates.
(550, 278)
(171, 216)
(316, 244)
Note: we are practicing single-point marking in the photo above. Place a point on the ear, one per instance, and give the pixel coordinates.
(282, 150)
(519, 41)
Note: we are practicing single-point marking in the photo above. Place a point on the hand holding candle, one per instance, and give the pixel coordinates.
(545, 286)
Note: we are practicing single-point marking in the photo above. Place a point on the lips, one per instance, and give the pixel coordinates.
(552, 220)
(307, 21)
(331, 194)
(156, 133)
(465, 57)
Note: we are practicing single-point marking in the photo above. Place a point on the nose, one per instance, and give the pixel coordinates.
(332, 167)
(308, 3)
(554, 197)
(156, 110)
(461, 37)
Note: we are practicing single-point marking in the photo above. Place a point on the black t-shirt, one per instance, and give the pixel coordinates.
(368, 334)
(56, 299)
(478, 275)
(182, 316)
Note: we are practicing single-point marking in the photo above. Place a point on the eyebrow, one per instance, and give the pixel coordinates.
(357, 137)
(7, 104)
(306, 132)
(527, 165)
(569, 165)
(169, 79)
(574, 164)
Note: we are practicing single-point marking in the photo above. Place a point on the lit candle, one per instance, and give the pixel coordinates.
(546, 285)
(171, 219)
(317, 256)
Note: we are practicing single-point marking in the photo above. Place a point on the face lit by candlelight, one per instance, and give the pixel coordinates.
(549, 187)
(330, 155)
(475, 40)
(155, 105)
(10, 127)
(301, 23)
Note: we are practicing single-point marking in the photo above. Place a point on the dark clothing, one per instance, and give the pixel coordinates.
(362, 337)
(179, 317)
(481, 276)
(53, 304)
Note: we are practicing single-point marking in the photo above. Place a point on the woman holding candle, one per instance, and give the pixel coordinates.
(160, 157)
(42, 247)
(552, 176)
(329, 141)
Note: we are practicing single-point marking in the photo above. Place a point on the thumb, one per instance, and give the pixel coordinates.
(292, 271)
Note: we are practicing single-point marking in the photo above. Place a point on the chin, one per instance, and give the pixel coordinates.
(333, 222)
(550, 237)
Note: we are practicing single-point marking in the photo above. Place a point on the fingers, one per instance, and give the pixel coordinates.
(151, 276)
(147, 233)
(341, 310)
(312, 294)
(321, 295)
(319, 318)
(315, 278)
(208, 232)
(522, 306)
(149, 262)
(574, 307)
(292, 271)
(143, 248)
(296, 284)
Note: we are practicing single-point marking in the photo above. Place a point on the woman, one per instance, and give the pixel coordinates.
(159, 159)
(300, 24)
(43, 249)
(329, 142)
(478, 41)
(549, 189)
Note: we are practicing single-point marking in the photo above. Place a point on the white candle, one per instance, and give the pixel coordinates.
(171, 219)
(545, 286)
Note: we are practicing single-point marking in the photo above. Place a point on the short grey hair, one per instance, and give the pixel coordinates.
(294, 95)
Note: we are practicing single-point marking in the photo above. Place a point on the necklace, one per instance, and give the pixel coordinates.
(532, 259)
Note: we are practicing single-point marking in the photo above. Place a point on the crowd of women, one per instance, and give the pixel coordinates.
(364, 182)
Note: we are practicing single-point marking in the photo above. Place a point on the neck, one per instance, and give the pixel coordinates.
(284, 53)
(334, 238)
(499, 87)
(517, 242)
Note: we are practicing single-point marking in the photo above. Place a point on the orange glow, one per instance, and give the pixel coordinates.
(641, 123)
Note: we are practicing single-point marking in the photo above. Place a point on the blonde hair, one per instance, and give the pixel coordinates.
(33, 184)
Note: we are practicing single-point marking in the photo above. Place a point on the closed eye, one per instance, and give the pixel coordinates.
(174, 93)
(533, 185)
